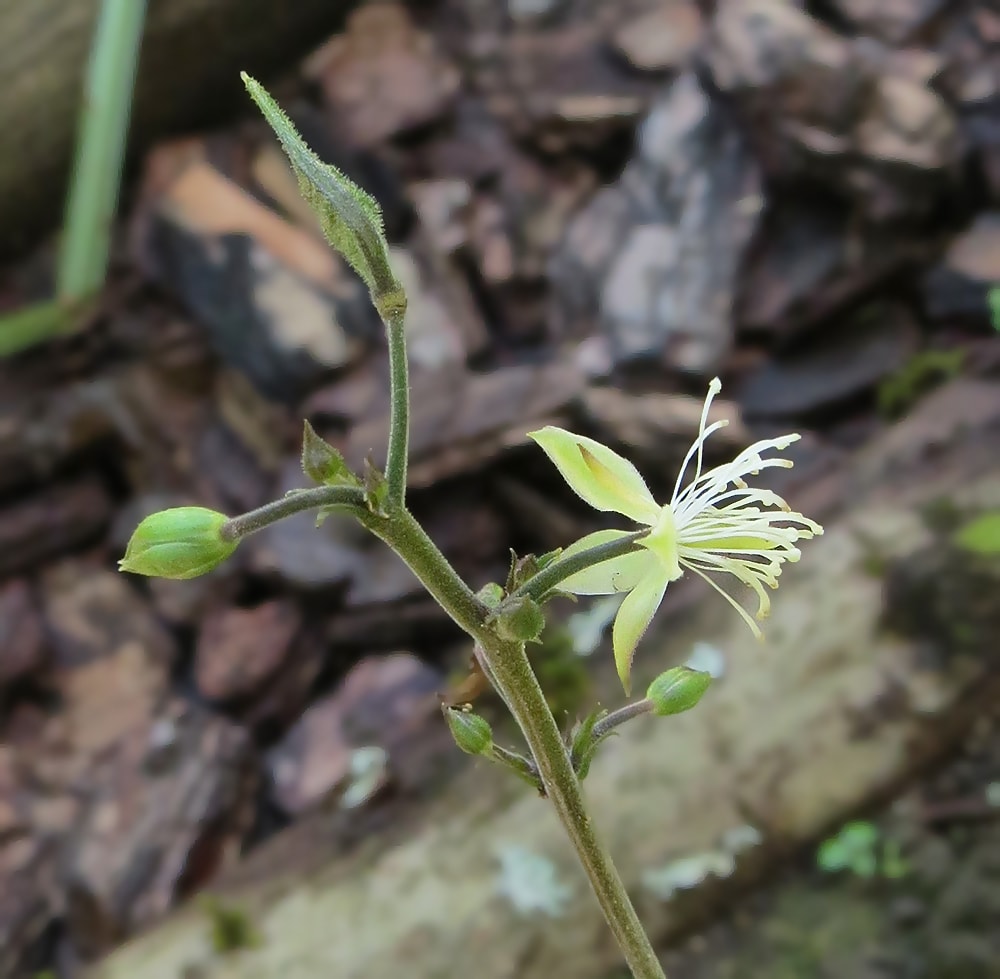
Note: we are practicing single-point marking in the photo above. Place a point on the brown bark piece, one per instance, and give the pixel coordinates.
(383, 76)
(52, 521)
(239, 650)
(21, 640)
(277, 302)
(389, 702)
(166, 808)
(663, 38)
(459, 420)
(111, 657)
(819, 107)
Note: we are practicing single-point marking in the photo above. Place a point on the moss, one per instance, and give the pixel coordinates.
(942, 516)
(922, 372)
(231, 927)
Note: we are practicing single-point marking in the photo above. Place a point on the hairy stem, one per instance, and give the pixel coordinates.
(400, 530)
(236, 528)
(509, 667)
(506, 663)
(618, 717)
(560, 569)
(531, 711)
(399, 421)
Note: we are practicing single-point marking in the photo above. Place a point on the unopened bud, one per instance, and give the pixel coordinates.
(520, 620)
(677, 690)
(491, 594)
(322, 463)
(350, 217)
(183, 542)
(471, 732)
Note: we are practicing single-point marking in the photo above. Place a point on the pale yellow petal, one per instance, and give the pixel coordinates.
(632, 620)
(598, 475)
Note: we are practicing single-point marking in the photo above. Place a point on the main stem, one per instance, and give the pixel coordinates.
(399, 417)
(512, 672)
(515, 676)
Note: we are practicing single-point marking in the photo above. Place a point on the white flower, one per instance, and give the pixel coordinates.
(716, 523)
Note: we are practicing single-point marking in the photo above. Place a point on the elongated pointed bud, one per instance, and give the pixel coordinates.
(183, 542)
(351, 219)
(677, 690)
(471, 732)
(322, 463)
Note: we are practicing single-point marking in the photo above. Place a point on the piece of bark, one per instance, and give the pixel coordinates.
(276, 302)
(633, 258)
(238, 650)
(52, 521)
(558, 88)
(390, 702)
(165, 808)
(665, 37)
(818, 107)
(21, 640)
(111, 658)
(43, 51)
(833, 366)
(41, 433)
(382, 76)
(894, 21)
(811, 260)
(832, 711)
(459, 420)
(28, 901)
(958, 287)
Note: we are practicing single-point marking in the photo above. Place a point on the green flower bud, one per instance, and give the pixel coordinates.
(183, 542)
(677, 690)
(322, 463)
(350, 218)
(471, 732)
(521, 620)
(491, 594)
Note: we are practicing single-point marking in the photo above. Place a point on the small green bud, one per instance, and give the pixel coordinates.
(376, 488)
(322, 463)
(583, 744)
(471, 732)
(677, 690)
(521, 620)
(183, 542)
(491, 594)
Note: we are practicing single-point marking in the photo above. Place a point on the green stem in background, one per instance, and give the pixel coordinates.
(399, 423)
(30, 325)
(299, 501)
(93, 194)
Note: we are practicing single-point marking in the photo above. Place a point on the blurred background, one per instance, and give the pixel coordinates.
(595, 207)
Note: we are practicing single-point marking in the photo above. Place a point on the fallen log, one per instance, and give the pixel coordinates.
(881, 646)
(191, 56)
